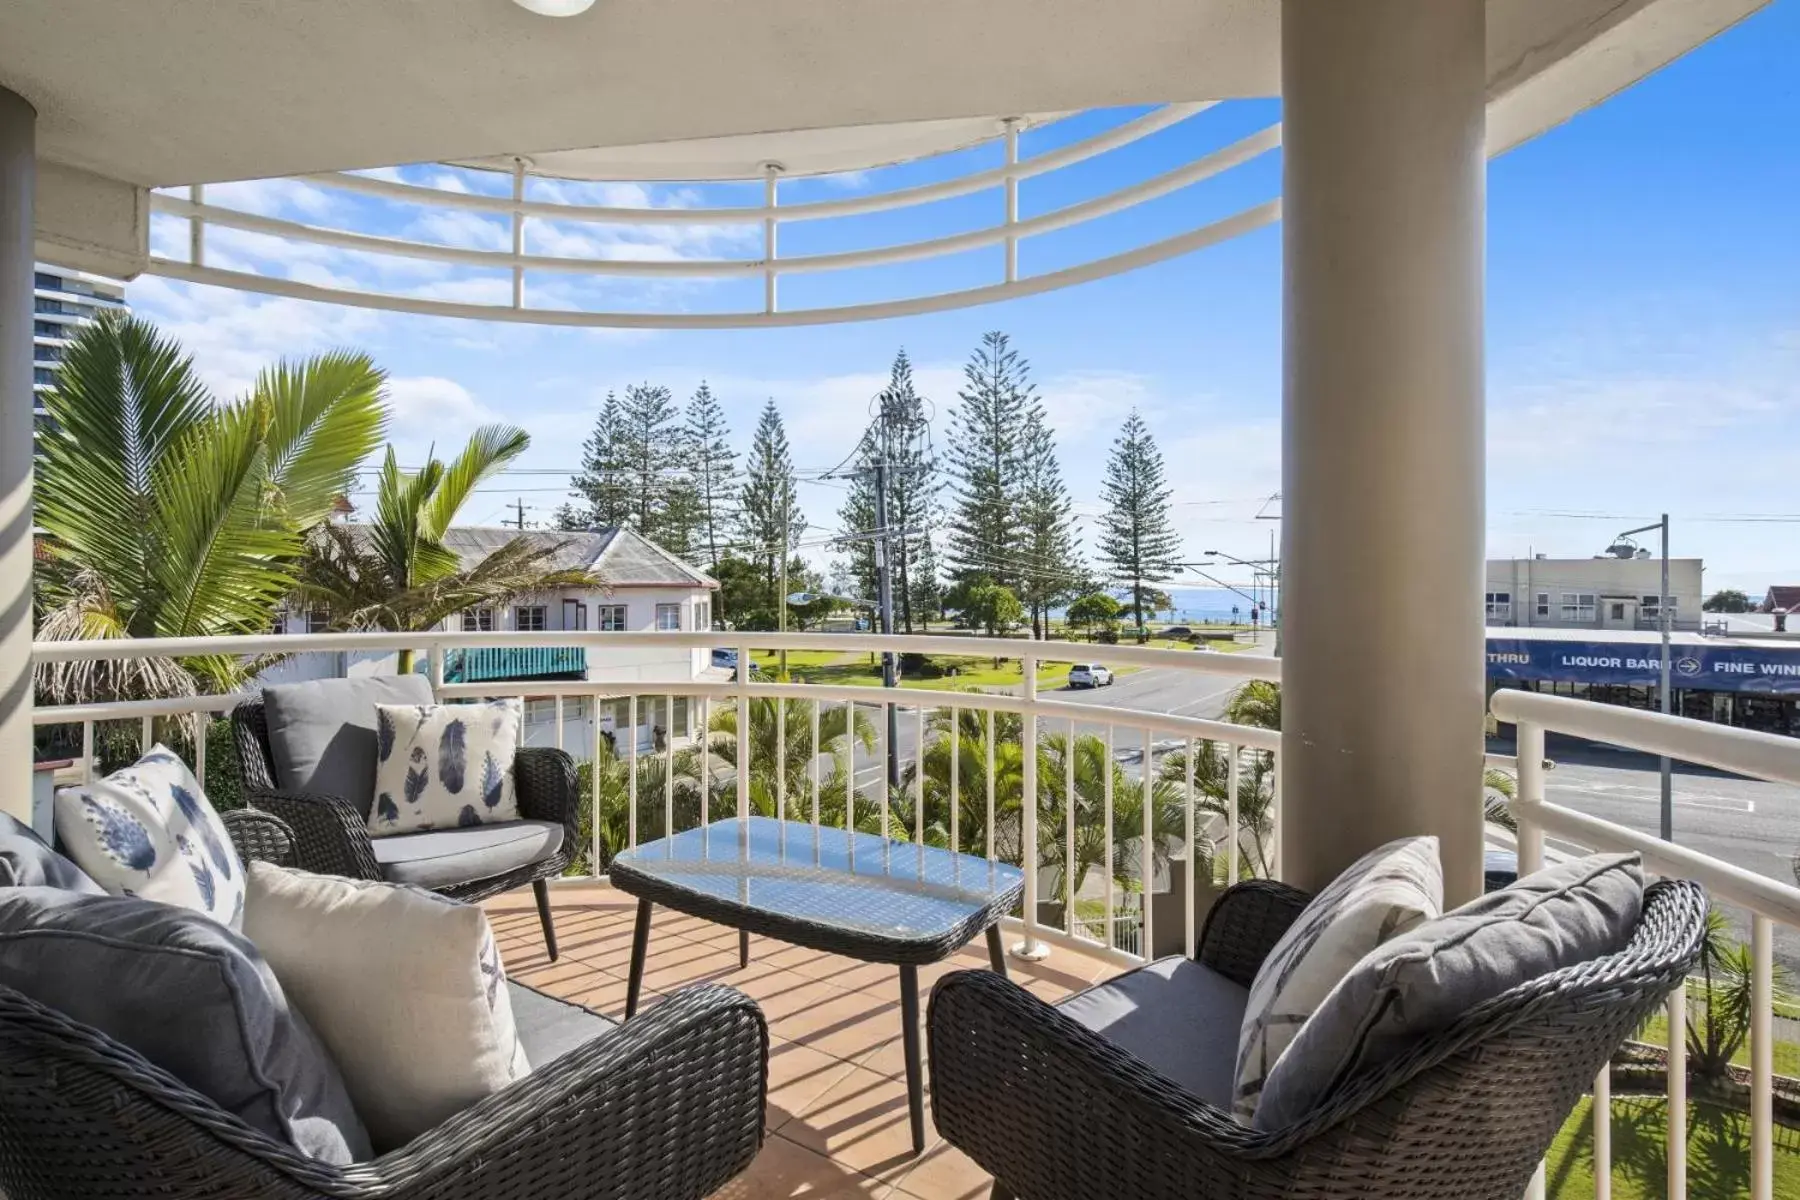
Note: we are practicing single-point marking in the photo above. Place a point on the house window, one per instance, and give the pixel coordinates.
(668, 617)
(1578, 606)
(529, 618)
(317, 620)
(1543, 605)
(703, 614)
(574, 615)
(1616, 610)
(609, 618)
(1651, 609)
(478, 620)
(540, 712)
(1499, 606)
(278, 623)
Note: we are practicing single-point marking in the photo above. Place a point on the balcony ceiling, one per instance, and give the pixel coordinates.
(161, 92)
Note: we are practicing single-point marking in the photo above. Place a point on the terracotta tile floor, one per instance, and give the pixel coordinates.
(837, 1079)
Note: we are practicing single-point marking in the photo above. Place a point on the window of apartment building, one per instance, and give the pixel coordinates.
(1543, 605)
(668, 617)
(703, 614)
(478, 620)
(1578, 606)
(317, 620)
(43, 375)
(574, 614)
(278, 622)
(46, 329)
(609, 618)
(529, 618)
(49, 282)
(1499, 606)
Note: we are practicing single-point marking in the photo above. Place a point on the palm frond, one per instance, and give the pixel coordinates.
(325, 416)
(490, 448)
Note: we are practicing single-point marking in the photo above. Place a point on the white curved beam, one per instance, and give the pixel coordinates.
(1218, 231)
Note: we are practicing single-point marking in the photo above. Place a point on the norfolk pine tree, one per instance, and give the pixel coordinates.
(1137, 542)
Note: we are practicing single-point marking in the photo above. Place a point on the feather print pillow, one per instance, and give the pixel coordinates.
(444, 766)
(148, 831)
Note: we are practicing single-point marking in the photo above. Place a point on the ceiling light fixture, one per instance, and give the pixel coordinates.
(555, 8)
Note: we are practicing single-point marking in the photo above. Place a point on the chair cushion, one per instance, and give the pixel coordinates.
(441, 858)
(1418, 983)
(148, 831)
(1180, 1017)
(405, 988)
(322, 733)
(444, 766)
(549, 1028)
(1385, 892)
(190, 996)
(25, 861)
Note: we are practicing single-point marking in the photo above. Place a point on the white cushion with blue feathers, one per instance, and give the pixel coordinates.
(148, 831)
(444, 766)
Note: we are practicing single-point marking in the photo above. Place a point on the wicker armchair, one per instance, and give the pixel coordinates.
(668, 1107)
(332, 837)
(1054, 1110)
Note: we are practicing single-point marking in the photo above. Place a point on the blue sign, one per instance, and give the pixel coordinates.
(1753, 669)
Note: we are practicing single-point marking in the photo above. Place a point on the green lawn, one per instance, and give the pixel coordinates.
(1787, 1054)
(1718, 1153)
(864, 670)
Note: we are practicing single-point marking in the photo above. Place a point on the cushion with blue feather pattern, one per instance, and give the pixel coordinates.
(148, 831)
(444, 766)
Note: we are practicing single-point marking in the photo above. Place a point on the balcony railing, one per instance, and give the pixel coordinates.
(485, 664)
(1184, 803)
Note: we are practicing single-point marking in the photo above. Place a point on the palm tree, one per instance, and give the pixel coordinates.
(1256, 703)
(769, 782)
(168, 514)
(1719, 1023)
(1093, 765)
(1212, 795)
(396, 573)
(969, 735)
(613, 775)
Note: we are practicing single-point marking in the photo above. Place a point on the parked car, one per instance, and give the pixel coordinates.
(725, 657)
(1175, 631)
(1090, 675)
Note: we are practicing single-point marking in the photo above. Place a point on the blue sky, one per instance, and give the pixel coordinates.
(1643, 318)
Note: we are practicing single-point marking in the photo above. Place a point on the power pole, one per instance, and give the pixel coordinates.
(781, 598)
(519, 521)
(885, 602)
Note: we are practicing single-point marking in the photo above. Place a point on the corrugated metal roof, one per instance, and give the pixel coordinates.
(621, 557)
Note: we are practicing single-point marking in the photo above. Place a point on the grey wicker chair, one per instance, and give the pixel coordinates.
(1052, 1109)
(333, 837)
(667, 1107)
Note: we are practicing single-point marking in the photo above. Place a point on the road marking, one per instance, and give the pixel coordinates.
(1629, 791)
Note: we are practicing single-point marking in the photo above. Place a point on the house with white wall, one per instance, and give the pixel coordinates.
(643, 588)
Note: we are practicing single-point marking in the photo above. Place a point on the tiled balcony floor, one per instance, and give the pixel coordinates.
(837, 1081)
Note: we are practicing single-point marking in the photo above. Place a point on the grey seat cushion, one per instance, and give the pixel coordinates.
(549, 1028)
(322, 734)
(1180, 1017)
(25, 861)
(189, 995)
(442, 857)
(1419, 982)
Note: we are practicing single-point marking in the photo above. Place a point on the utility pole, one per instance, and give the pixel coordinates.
(518, 522)
(781, 603)
(1667, 824)
(885, 601)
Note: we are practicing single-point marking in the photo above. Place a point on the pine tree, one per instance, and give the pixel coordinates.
(602, 485)
(986, 462)
(1050, 567)
(900, 437)
(925, 590)
(856, 517)
(770, 515)
(653, 456)
(712, 467)
(1137, 541)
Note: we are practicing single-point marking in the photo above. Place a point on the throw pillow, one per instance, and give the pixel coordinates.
(188, 995)
(1385, 892)
(26, 862)
(405, 987)
(444, 766)
(147, 831)
(1418, 983)
(322, 733)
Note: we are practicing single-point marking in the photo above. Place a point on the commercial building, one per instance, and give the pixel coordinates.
(1752, 683)
(1608, 592)
(62, 301)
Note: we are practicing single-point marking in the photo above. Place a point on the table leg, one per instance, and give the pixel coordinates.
(996, 953)
(909, 1036)
(743, 948)
(640, 943)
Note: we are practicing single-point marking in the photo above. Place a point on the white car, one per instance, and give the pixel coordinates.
(1090, 675)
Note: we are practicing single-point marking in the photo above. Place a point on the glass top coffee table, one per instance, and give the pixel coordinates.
(854, 894)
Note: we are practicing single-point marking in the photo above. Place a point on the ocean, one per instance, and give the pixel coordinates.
(1202, 605)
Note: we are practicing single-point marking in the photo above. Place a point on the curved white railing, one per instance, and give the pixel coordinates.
(771, 214)
(652, 705)
(1744, 752)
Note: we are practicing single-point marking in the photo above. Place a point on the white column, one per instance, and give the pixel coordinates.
(17, 182)
(1382, 436)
